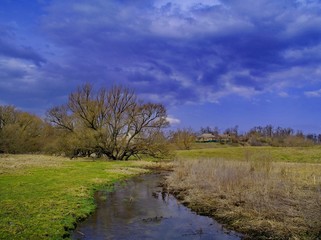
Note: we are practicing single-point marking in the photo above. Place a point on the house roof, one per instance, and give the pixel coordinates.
(206, 135)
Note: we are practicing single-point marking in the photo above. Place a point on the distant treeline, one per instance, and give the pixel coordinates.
(86, 129)
(266, 135)
(256, 136)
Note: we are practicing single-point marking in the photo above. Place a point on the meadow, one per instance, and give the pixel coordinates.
(42, 197)
(276, 154)
(263, 192)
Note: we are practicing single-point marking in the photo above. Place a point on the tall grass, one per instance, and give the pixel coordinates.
(262, 198)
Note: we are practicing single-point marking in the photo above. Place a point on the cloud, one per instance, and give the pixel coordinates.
(173, 121)
(170, 50)
(283, 94)
(9, 47)
(20, 52)
(316, 93)
(185, 35)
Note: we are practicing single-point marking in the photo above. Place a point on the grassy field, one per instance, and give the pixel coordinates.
(41, 197)
(264, 192)
(276, 154)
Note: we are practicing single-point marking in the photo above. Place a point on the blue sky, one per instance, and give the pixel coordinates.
(211, 62)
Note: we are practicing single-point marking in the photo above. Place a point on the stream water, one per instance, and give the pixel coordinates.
(139, 209)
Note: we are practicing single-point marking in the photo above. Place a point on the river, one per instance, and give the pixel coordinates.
(139, 209)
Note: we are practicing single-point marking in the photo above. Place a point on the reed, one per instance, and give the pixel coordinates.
(261, 198)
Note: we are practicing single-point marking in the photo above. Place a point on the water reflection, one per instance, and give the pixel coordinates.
(140, 210)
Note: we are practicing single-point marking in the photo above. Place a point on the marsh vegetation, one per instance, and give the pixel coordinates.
(258, 195)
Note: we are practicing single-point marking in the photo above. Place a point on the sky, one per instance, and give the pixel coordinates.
(211, 62)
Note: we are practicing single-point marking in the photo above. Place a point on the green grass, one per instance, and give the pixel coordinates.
(42, 197)
(276, 154)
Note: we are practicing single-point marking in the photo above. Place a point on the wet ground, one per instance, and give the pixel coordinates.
(139, 209)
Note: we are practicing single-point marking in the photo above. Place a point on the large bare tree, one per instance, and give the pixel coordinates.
(113, 122)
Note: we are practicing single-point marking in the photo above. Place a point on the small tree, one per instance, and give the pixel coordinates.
(112, 122)
(183, 138)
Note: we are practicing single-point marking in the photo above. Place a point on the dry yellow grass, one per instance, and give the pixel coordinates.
(13, 163)
(264, 199)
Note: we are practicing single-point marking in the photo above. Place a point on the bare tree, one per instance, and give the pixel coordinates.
(60, 117)
(8, 115)
(112, 122)
(215, 131)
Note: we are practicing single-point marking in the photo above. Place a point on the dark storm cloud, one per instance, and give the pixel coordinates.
(10, 48)
(20, 52)
(20, 68)
(181, 51)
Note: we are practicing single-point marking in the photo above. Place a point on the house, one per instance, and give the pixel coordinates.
(207, 137)
(224, 138)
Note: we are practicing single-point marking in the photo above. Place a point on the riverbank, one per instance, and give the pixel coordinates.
(261, 198)
(42, 197)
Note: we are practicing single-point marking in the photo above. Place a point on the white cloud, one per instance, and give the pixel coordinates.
(283, 94)
(17, 71)
(173, 121)
(85, 8)
(316, 93)
(303, 53)
(188, 19)
(187, 4)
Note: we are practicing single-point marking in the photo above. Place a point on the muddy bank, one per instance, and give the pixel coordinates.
(140, 209)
